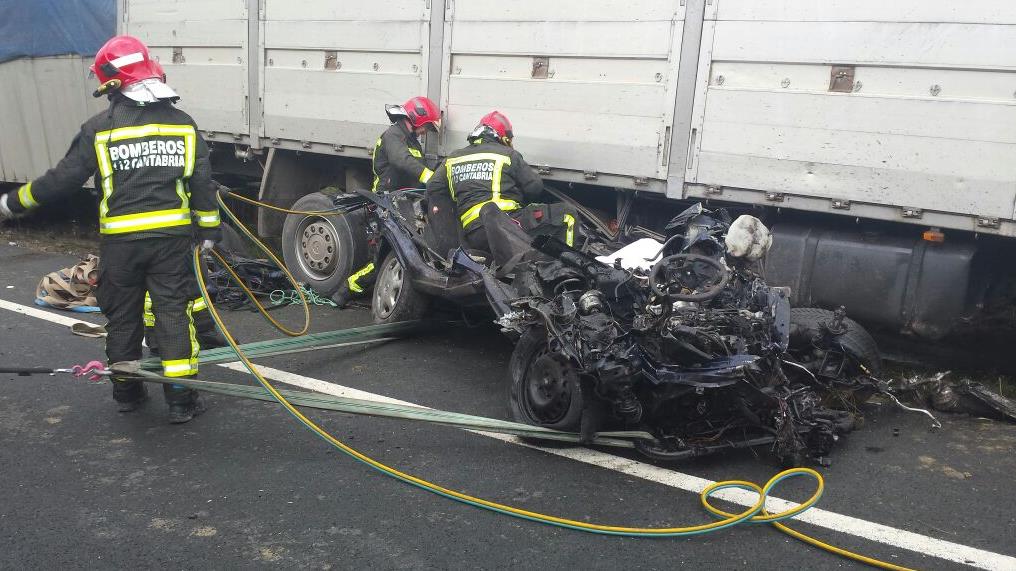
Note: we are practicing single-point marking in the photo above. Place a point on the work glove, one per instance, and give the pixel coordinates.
(207, 246)
(5, 211)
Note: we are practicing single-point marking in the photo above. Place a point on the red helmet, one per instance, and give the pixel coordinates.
(421, 111)
(123, 61)
(496, 124)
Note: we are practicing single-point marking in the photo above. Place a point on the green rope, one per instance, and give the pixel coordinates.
(291, 297)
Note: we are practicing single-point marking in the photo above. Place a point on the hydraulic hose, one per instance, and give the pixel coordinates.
(756, 513)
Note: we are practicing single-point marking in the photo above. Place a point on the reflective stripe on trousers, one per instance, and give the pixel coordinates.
(198, 305)
(353, 279)
(185, 367)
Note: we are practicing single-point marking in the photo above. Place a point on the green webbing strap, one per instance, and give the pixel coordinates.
(305, 343)
(621, 439)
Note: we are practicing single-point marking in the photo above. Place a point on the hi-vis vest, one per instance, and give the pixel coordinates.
(486, 168)
(130, 154)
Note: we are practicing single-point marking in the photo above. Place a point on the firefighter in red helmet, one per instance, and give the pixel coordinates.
(397, 162)
(152, 168)
(488, 171)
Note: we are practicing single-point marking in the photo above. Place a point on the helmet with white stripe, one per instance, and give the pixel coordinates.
(124, 64)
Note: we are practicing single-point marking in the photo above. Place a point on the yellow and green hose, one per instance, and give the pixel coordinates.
(753, 514)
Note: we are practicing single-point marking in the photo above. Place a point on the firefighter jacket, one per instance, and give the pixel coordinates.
(485, 171)
(150, 166)
(398, 160)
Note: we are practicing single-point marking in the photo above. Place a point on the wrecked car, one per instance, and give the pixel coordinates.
(679, 337)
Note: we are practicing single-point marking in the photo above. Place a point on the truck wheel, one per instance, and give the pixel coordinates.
(322, 251)
(394, 297)
(545, 389)
(804, 324)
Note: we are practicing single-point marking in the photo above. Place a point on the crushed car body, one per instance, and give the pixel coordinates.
(681, 337)
(690, 345)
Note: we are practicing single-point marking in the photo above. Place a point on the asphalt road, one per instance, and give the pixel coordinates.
(245, 486)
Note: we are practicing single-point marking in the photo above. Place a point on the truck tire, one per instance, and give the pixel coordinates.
(394, 298)
(543, 390)
(804, 323)
(322, 251)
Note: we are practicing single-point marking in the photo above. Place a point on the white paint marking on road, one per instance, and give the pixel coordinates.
(891, 536)
(40, 313)
(884, 534)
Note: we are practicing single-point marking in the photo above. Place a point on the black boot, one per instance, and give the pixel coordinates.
(184, 404)
(129, 395)
(342, 297)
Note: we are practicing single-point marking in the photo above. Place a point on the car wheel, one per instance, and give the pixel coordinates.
(323, 250)
(394, 297)
(545, 389)
(805, 324)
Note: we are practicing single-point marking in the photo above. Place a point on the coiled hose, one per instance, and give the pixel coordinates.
(753, 514)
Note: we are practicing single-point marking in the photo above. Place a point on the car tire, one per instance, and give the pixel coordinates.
(322, 251)
(805, 323)
(394, 298)
(544, 390)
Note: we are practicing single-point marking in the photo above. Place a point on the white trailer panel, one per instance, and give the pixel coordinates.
(927, 121)
(331, 67)
(588, 85)
(43, 102)
(203, 48)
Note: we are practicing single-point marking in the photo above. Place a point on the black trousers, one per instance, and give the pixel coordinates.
(161, 266)
(497, 233)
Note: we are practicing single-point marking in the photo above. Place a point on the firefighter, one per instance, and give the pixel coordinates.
(152, 169)
(397, 162)
(487, 171)
(207, 334)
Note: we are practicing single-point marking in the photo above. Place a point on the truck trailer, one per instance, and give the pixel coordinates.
(877, 139)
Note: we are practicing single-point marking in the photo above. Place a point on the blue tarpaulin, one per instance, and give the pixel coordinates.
(36, 28)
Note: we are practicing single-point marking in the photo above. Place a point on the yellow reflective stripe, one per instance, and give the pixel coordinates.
(190, 147)
(474, 211)
(373, 169)
(182, 193)
(106, 172)
(415, 153)
(199, 305)
(150, 130)
(180, 367)
(25, 197)
(470, 216)
(104, 138)
(569, 232)
(149, 316)
(351, 281)
(449, 163)
(451, 184)
(207, 218)
(144, 221)
(195, 347)
(425, 175)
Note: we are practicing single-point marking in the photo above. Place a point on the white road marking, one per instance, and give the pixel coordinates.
(884, 534)
(899, 538)
(41, 313)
